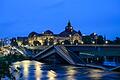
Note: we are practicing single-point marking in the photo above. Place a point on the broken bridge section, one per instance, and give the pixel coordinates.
(58, 55)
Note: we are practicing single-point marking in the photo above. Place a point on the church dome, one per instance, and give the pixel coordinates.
(69, 27)
(33, 34)
(68, 30)
(48, 32)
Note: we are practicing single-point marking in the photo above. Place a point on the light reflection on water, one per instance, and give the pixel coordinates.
(33, 70)
(26, 65)
(96, 74)
(51, 75)
(38, 71)
(71, 72)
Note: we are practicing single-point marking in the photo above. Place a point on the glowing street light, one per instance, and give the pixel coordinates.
(82, 42)
(106, 42)
(93, 42)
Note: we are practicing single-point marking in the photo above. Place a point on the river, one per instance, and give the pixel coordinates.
(33, 70)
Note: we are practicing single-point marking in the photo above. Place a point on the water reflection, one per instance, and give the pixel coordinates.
(26, 65)
(38, 71)
(33, 70)
(71, 73)
(51, 75)
(95, 74)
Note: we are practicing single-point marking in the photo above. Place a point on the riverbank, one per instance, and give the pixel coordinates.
(5, 64)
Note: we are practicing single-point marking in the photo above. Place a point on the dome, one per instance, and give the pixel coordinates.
(33, 34)
(68, 30)
(48, 32)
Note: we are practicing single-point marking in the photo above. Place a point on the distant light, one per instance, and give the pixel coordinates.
(106, 42)
(76, 43)
(42, 32)
(82, 42)
(69, 35)
(83, 35)
(94, 33)
(71, 42)
(55, 43)
(93, 42)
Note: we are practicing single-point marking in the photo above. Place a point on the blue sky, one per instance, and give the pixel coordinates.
(20, 17)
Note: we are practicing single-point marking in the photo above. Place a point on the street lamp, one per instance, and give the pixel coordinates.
(62, 43)
(82, 42)
(106, 42)
(93, 42)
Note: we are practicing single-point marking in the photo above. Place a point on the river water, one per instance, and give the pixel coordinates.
(33, 70)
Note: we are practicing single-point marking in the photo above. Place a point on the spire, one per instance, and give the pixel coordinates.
(69, 23)
(69, 27)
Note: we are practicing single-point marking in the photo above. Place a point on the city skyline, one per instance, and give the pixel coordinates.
(19, 18)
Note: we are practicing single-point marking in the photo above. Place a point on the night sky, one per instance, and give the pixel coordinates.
(20, 17)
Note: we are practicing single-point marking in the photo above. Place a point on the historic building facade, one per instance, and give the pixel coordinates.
(68, 36)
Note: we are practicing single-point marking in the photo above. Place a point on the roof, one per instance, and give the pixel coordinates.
(66, 33)
(33, 34)
(48, 32)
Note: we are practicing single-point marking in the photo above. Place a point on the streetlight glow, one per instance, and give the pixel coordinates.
(106, 42)
(93, 42)
(82, 42)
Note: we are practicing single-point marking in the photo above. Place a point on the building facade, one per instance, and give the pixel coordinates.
(68, 36)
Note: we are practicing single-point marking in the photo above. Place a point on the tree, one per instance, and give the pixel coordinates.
(0, 43)
(110, 42)
(100, 40)
(117, 40)
(87, 40)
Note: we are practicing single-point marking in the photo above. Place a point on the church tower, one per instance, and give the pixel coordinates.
(69, 28)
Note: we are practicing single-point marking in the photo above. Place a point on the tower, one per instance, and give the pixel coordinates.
(69, 28)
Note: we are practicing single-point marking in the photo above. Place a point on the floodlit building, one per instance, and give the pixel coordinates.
(68, 36)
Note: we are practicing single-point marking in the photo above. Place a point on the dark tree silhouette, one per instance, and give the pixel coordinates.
(87, 40)
(0, 43)
(117, 40)
(100, 40)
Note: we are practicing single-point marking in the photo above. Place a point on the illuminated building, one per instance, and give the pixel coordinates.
(68, 36)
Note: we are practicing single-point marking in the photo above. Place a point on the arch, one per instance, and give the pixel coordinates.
(76, 42)
(36, 43)
(67, 42)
